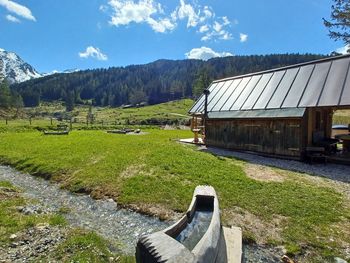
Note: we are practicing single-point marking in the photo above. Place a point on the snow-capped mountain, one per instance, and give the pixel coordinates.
(67, 71)
(14, 69)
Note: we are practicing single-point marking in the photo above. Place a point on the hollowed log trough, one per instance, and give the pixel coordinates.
(196, 237)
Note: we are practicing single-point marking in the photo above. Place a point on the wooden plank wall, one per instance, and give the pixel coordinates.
(271, 136)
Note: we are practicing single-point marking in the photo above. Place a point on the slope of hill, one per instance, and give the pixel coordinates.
(156, 82)
(14, 69)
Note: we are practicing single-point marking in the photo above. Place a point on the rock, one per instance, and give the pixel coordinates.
(42, 226)
(13, 245)
(13, 237)
(339, 260)
(286, 259)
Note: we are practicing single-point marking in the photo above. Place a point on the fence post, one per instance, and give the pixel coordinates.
(51, 121)
(6, 121)
(30, 120)
(70, 124)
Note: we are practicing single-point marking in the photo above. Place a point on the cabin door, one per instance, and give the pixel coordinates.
(278, 137)
(287, 137)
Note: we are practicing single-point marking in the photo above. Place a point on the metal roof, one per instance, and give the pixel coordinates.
(258, 114)
(318, 83)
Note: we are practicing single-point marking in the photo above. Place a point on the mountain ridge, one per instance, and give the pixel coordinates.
(156, 82)
(15, 69)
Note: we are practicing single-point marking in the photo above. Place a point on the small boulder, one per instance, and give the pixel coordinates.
(339, 260)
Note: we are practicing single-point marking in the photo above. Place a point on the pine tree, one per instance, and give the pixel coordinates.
(339, 24)
(70, 101)
(5, 95)
(201, 83)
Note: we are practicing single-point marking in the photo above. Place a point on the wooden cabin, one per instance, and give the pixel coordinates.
(282, 112)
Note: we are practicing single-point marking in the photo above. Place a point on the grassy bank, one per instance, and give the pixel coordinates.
(76, 246)
(156, 174)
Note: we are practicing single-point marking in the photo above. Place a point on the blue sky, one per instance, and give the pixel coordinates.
(67, 34)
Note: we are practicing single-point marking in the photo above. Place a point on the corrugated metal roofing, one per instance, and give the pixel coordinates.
(324, 82)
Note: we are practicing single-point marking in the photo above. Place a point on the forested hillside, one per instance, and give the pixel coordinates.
(153, 83)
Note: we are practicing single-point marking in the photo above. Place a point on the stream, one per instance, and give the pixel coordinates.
(105, 217)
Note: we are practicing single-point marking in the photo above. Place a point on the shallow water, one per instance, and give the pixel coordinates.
(194, 231)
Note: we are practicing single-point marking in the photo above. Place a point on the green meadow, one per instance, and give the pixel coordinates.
(46, 115)
(155, 171)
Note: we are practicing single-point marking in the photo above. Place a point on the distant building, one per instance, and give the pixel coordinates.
(284, 111)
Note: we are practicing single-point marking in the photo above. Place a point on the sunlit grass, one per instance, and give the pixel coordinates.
(154, 169)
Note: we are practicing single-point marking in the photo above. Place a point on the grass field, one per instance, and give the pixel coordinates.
(342, 117)
(174, 112)
(154, 171)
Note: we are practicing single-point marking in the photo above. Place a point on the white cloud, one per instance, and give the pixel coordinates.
(217, 26)
(219, 30)
(151, 12)
(161, 25)
(343, 50)
(13, 19)
(17, 9)
(205, 53)
(226, 21)
(126, 12)
(207, 12)
(243, 37)
(186, 11)
(144, 11)
(204, 29)
(94, 53)
(223, 35)
(226, 36)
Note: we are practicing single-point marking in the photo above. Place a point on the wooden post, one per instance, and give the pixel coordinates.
(206, 94)
(6, 121)
(51, 121)
(70, 124)
(30, 120)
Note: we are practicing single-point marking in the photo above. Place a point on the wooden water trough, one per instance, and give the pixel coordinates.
(196, 237)
(62, 129)
(56, 132)
(124, 131)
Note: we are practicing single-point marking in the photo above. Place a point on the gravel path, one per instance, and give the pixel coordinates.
(332, 171)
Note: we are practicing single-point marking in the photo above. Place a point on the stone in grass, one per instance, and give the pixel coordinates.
(286, 259)
(340, 260)
(42, 226)
(13, 237)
